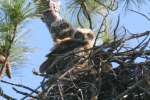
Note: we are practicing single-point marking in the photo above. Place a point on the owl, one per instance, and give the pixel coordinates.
(85, 35)
(67, 39)
(51, 65)
(61, 31)
(80, 40)
(54, 8)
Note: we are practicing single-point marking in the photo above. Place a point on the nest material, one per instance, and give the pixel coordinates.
(98, 80)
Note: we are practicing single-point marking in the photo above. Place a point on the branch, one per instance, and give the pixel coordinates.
(5, 95)
(19, 85)
(47, 15)
(128, 90)
(140, 14)
(60, 90)
(24, 93)
(4, 68)
(138, 35)
(41, 74)
(86, 14)
(30, 93)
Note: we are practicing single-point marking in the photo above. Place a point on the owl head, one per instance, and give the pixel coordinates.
(61, 30)
(54, 5)
(84, 35)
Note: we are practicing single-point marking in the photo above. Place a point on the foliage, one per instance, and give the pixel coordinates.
(129, 80)
(41, 6)
(106, 34)
(14, 14)
(84, 9)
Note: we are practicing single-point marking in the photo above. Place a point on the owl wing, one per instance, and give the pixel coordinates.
(61, 49)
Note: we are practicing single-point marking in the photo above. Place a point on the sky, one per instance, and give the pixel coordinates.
(39, 38)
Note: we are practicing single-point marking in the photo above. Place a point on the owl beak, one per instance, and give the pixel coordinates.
(80, 41)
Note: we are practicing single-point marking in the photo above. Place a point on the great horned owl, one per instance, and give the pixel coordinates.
(53, 64)
(85, 35)
(61, 31)
(67, 39)
(55, 4)
(54, 8)
(88, 37)
(81, 39)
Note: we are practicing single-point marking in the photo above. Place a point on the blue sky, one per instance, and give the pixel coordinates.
(39, 38)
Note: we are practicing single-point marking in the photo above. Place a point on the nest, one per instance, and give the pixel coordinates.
(98, 80)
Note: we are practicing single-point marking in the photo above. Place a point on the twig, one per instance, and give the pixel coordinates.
(19, 85)
(86, 13)
(116, 27)
(143, 89)
(24, 93)
(41, 74)
(5, 95)
(60, 90)
(80, 90)
(138, 35)
(129, 89)
(30, 93)
(78, 18)
(140, 14)
(4, 68)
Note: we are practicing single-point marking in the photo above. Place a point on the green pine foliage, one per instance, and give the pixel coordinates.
(13, 15)
(106, 34)
(41, 6)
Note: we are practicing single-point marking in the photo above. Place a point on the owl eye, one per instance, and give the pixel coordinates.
(64, 25)
(55, 29)
(77, 35)
(90, 36)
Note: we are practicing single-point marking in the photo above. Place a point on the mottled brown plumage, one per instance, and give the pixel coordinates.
(67, 41)
(85, 35)
(65, 53)
(58, 51)
(61, 31)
